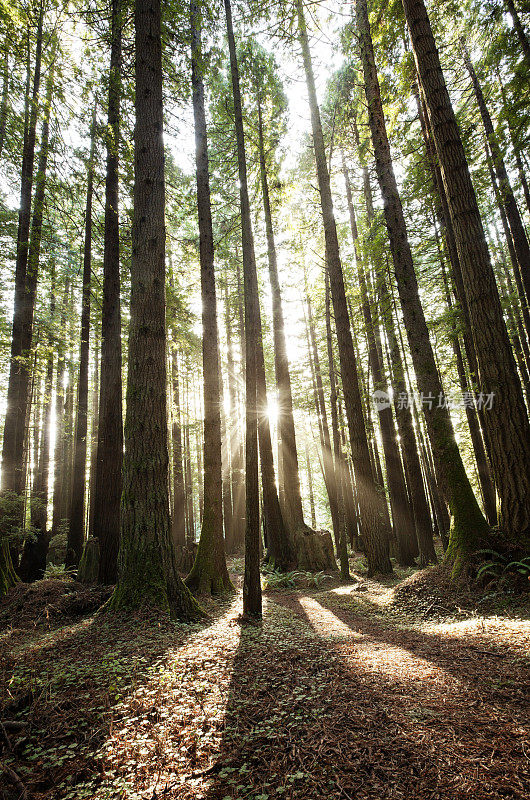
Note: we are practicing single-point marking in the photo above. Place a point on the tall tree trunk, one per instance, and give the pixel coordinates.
(286, 429)
(5, 95)
(108, 481)
(209, 574)
(228, 511)
(525, 309)
(507, 422)
(521, 33)
(473, 412)
(486, 485)
(339, 465)
(401, 513)
(515, 144)
(370, 498)
(469, 527)
(68, 419)
(94, 435)
(58, 456)
(190, 508)
(33, 560)
(178, 521)
(310, 487)
(17, 390)
(236, 460)
(252, 605)
(330, 476)
(76, 531)
(507, 196)
(147, 569)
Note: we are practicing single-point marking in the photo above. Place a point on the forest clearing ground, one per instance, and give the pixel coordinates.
(337, 695)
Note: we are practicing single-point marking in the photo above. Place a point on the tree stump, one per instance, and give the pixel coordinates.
(89, 563)
(314, 550)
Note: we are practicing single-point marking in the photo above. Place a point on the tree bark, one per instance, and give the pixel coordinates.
(209, 574)
(5, 95)
(330, 477)
(94, 439)
(289, 456)
(469, 527)
(486, 485)
(147, 570)
(76, 530)
(236, 443)
(370, 498)
(339, 465)
(13, 481)
(108, 480)
(33, 560)
(252, 604)
(520, 242)
(521, 33)
(507, 422)
(59, 451)
(401, 512)
(178, 521)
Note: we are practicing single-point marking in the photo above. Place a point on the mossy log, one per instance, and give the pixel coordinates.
(314, 550)
(89, 564)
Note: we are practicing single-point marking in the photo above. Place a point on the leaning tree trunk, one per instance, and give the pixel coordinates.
(370, 498)
(147, 569)
(469, 528)
(209, 574)
(520, 242)
(516, 147)
(76, 530)
(472, 411)
(108, 479)
(521, 33)
(508, 427)
(486, 484)
(407, 435)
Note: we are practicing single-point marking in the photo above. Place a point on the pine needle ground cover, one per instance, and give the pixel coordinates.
(339, 694)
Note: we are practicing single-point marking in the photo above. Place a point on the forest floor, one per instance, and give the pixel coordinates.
(357, 691)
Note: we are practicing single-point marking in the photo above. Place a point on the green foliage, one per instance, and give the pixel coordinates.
(292, 580)
(59, 571)
(502, 570)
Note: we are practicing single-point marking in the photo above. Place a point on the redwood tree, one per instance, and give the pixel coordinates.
(147, 570)
(108, 479)
(508, 428)
(370, 498)
(209, 573)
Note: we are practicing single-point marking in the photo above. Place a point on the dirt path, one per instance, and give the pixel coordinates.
(326, 700)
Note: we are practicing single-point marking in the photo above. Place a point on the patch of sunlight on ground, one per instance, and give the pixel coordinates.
(372, 654)
(325, 620)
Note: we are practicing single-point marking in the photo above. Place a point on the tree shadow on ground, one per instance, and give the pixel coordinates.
(67, 684)
(477, 662)
(307, 718)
